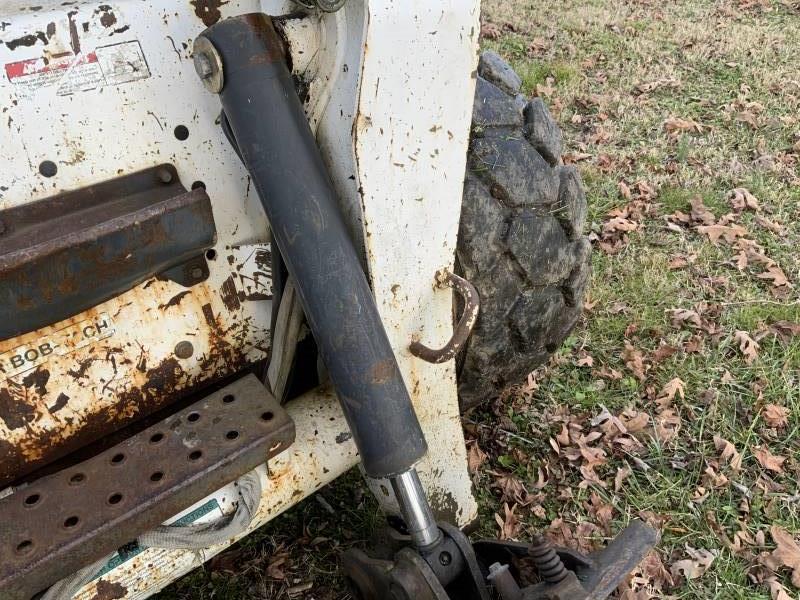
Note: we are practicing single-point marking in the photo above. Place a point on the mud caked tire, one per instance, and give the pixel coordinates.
(521, 240)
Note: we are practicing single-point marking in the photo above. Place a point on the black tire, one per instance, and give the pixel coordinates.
(521, 240)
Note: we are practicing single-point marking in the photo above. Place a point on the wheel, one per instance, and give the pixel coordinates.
(521, 240)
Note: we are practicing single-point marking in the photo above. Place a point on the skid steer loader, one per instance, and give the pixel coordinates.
(232, 237)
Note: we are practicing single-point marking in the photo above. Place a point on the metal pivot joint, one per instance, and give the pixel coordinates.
(474, 571)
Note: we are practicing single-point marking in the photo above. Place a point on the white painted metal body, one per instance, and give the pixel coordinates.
(391, 89)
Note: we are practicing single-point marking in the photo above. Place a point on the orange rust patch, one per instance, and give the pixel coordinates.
(105, 590)
(382, 372)
(208, 10)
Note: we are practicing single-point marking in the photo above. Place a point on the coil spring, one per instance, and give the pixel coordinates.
(550, 566)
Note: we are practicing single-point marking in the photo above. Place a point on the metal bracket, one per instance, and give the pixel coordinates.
(68, 253)
(566, 574)
(462, 330)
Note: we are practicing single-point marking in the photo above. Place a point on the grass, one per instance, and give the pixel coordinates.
(732, 68)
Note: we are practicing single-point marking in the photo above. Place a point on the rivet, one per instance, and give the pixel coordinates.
(197, 273)
(184, 349)
(164, 176)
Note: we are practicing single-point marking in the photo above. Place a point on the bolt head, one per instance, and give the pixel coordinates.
(184, 350)
(197, 273)
(164, 176)
(208, 64)
(203, 66)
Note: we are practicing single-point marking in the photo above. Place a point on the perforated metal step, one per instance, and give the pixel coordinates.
(65, 521)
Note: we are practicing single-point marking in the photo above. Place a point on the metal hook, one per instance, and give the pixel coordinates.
(462, 330)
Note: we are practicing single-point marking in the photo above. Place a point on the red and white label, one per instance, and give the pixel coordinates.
(107, 65)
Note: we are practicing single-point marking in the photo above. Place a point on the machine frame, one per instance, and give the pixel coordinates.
(102, 89)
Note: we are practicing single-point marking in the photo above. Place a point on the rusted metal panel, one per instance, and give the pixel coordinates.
(120, 361)
(62, 522)
(76, 100)
(62, 255)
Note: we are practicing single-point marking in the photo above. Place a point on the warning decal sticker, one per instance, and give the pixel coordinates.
(207, 512)
(106, 66)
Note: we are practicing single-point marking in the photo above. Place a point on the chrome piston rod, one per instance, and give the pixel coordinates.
(415, 509)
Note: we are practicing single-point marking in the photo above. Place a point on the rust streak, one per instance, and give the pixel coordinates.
(208, 10)
(105, 590)
(75, 40)
(28, 40)
(108, 18)
(229, 295)
(37, 379)
(174, 301)
(382, 372)
(14, 411)
(61, 402)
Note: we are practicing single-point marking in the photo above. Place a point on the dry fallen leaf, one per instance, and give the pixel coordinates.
(770, 225)
(651, 86)
(700, 213)
(634, 421)
(679, 261)
(776, 590)
(670, 389)
(475, 456)
(727, 232)
(786, 553)
(622, 474)
(785, 329)
(685, 317)
(727, 452)
(694, 567)
(747, 345)
(510, 525)
(276, 565)
(776, 274)
(742, 199)
(511, 488)
(675, 125)
(775, 415)
(768, 460)
(749, 118)
(666, 425)
(634, 360)
(490, 31)
(713, 478)
(584, 359)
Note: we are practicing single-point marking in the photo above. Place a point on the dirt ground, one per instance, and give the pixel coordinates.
(677, 399)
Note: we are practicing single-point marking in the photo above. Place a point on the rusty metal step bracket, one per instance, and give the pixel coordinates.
(67, 253)
(65, 521)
